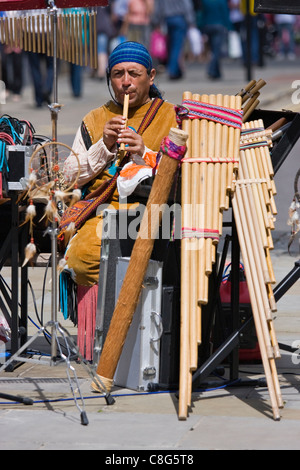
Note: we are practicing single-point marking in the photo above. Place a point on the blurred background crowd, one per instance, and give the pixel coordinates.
(176, 32)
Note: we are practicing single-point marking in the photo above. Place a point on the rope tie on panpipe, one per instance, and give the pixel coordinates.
(213, 124)
(254, 210)
(76, 35)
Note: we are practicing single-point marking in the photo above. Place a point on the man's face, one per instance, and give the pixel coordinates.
(131, 78)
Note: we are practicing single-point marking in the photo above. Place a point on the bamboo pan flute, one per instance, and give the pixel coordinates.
(254, 213)
(76, 35)
(206, 187)
(248, 179)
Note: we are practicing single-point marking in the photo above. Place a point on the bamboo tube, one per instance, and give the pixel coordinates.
(91, 42)
(69, 26)
(125, 114)
(217, 175)
(185, 302)
(38, 29)
(210, 189)
(10, 32)
(142, 249)
(85, 39)
(29, 32)
(248, 105)
(231, 147)
(6, 30)
(76, 38)
(202, 278)
(33, 34)
(79, 21)
(25, 34)
(16, 33)
(95, 41)
(73, 38)
(223, 189)
(2, 30)
(48, 35)
(43, 34)
(193, 244)
(244, 92)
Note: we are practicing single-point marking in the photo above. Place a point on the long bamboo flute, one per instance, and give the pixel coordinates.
(125, 114)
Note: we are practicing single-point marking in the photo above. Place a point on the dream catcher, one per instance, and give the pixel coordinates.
(49, 180)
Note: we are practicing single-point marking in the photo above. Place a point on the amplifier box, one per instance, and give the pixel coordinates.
(140, 359)
(18, 157)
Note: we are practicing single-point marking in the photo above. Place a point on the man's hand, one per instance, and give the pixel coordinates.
(112, 131)
(133, 141)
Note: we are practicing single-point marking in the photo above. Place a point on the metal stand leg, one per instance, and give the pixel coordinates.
(72, 350)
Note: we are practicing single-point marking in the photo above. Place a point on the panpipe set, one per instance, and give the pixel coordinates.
(254, 210)
(226, 159)
(76, 36)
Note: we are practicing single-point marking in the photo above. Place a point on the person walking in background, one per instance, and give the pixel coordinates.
(12, 65)
(106, 31)
(138, 21)
(251, 51)
(178, 15)
(75, 70)
(285, 28)
(41, 67)
(119, 9)
(215, 25)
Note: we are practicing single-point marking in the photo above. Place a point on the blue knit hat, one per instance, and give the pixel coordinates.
(130, 51)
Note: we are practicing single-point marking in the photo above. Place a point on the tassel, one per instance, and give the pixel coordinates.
(61, 265)
(30, 214)
(50, 211)
(70, 231)
(60, 195)
(30, 251)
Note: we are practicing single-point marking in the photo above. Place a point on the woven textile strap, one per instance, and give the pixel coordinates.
(198, 110)
(171, 149)
(250, 145)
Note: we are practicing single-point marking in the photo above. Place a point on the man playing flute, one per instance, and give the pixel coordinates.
(102, 131)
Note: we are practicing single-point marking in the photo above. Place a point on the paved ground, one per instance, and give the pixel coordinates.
(237, 417)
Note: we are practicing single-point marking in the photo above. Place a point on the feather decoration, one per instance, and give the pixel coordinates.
(76, 196)
(30, 251)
